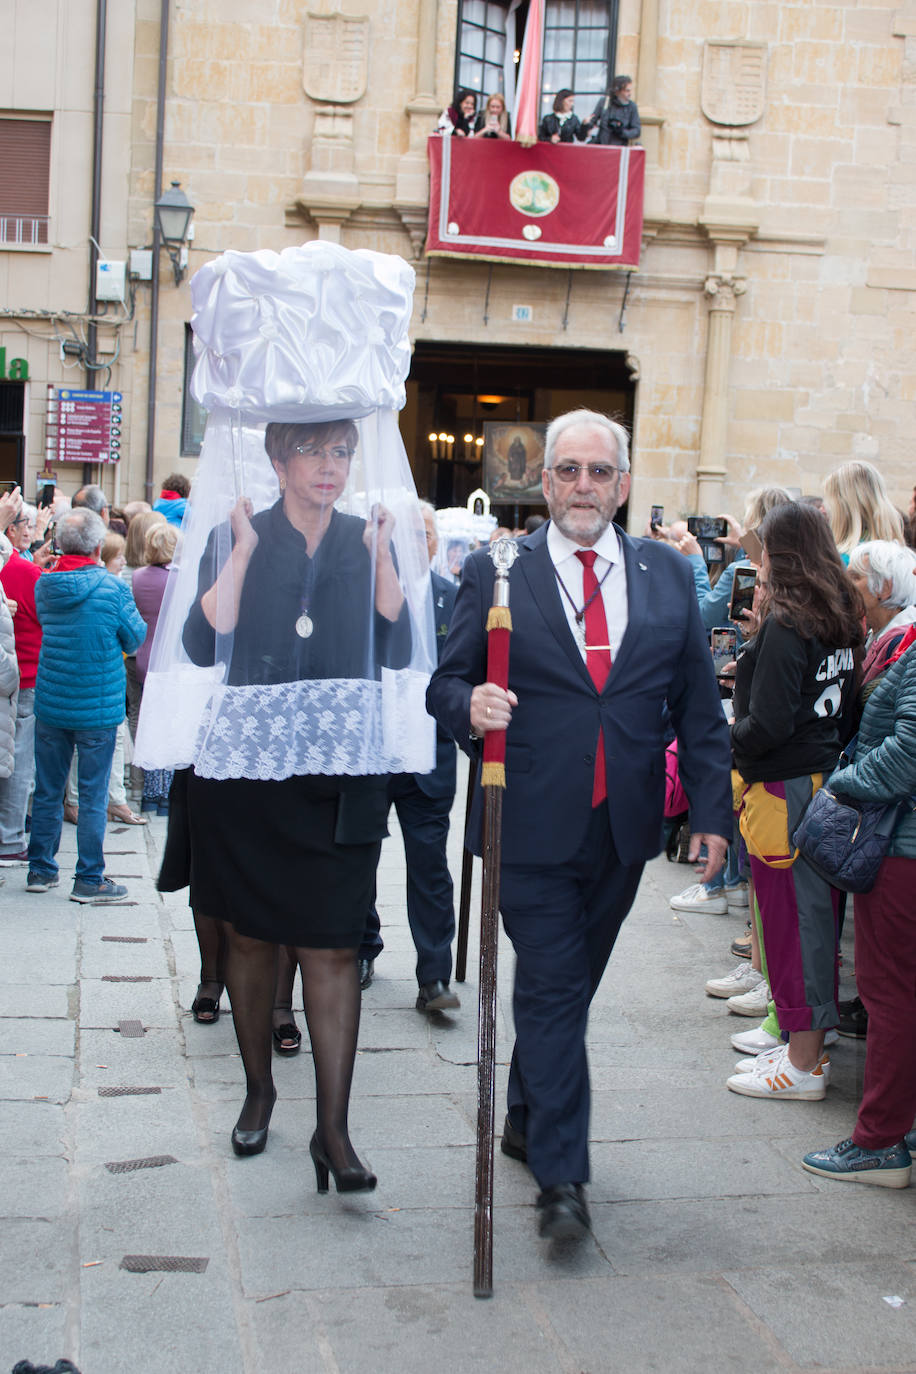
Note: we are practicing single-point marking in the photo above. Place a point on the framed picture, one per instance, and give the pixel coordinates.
(513, 460)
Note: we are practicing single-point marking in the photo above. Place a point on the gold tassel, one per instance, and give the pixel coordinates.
(493, 775)
(499, 618)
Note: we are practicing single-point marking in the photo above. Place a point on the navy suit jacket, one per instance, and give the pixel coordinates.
(441, 781)
(663, 666)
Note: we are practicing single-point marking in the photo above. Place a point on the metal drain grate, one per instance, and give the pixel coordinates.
(126, 939)
(127, 1166)
(127, 1092)
(130, 1028)
(170, 1264)
(126, 978)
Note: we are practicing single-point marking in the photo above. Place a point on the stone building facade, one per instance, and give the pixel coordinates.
(767, 336)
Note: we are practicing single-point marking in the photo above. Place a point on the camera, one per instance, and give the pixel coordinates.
(707, 527)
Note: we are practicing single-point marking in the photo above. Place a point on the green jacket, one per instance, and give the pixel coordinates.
(884, 768)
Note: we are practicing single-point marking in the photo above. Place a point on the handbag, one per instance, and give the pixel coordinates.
(845, 840)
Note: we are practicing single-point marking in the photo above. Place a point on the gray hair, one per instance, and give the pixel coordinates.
(427, 508)
(880, 561)
(587, 418)
(80, 531)
(91, 498)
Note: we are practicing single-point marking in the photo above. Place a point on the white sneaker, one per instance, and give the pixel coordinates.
(756, 1041)
(753, 1003)
(759, 1041)
(741, 979)
(748, 1065)
(737, 897)
(696, 898)
(774, 1075)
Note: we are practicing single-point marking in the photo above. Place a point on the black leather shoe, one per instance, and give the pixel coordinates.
(366, 972)
(436, 996)
(245, 1142)
(514, 1143)
(563, 1213)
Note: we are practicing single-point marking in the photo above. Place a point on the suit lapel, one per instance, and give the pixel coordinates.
(637, 603)
(541, 577)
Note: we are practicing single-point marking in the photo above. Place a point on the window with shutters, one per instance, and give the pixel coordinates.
(25, 166)
(578, 44)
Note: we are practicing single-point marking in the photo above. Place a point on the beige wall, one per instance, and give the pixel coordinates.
(821, 365)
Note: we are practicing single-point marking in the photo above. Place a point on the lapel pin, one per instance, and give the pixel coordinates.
(644, 568)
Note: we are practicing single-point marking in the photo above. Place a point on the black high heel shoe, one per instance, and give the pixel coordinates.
(349, 1180)
(252, 1142)
(205, 1010)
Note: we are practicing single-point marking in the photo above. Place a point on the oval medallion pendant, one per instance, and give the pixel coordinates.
(304, 625)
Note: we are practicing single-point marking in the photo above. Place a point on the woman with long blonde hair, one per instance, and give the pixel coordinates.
(859, 508)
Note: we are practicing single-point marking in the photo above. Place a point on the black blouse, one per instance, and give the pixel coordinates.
(350, 639)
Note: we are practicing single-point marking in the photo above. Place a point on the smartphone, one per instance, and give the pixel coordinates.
(723, 641)
(742, 592)
(712, 553)
(707, 527)
(656, 517)
(46, 494)
(10, 486)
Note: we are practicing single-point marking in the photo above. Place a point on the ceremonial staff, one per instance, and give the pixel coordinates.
(464, 899)
(493, 781)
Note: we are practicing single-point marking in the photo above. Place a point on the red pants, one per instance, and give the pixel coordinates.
(886, 979)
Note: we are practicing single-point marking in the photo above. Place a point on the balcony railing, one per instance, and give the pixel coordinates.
(24, 229)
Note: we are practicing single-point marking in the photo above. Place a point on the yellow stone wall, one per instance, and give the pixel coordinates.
(822, 364)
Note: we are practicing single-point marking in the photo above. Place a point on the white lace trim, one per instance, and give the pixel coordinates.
(332, 725)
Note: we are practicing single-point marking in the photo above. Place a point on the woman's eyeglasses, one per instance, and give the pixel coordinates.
(338, 453)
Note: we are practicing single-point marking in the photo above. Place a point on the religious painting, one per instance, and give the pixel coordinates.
(513, 460)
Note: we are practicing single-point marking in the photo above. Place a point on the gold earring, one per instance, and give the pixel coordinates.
(283, 484)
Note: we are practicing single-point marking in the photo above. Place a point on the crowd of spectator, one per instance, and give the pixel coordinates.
(614, 121)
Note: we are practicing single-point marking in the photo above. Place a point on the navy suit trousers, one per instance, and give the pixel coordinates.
(562, 920)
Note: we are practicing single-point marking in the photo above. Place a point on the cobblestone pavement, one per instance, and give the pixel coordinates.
(711, 1247)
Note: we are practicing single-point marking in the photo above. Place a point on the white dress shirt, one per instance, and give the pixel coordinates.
(567, 566)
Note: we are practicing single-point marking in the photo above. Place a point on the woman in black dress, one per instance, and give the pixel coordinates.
(299, 592)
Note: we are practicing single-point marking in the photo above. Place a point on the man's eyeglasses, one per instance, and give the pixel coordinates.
(599, 473)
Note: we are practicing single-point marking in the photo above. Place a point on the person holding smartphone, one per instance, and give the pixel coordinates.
(493, 121)
(794, 710)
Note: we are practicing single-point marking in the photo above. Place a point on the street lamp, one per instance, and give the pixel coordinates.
(173, 219)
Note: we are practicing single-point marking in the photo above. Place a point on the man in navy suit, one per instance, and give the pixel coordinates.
(423, 802)
(607, 648)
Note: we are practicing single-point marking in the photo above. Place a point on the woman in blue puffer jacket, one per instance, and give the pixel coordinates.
(884, 769)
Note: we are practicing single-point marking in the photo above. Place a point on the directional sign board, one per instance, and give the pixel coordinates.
(84, 426)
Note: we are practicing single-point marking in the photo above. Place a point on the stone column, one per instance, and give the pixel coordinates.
(721, 290)
(411, 199)
(655, 204)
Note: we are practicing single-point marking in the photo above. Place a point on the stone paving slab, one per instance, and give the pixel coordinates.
(844, 1319)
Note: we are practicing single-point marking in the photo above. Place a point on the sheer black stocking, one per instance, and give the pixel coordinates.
(211, 939)
(287, 965)
(251, 976)
(331, 993)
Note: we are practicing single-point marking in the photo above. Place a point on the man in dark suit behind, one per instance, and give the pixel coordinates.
(423, 802)
(607, 647)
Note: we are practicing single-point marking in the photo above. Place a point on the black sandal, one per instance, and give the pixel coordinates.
(205, 1010)
(288, 1031)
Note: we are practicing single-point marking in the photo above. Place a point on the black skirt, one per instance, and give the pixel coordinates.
(291, 862)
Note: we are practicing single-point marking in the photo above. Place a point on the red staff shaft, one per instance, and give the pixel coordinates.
(493, 781)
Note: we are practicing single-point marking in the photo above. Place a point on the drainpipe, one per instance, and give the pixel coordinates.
(157, 244)
(96, 211)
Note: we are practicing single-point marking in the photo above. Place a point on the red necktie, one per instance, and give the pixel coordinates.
(598, 660)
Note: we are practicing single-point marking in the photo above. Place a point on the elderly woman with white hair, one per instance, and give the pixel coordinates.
(885, 574)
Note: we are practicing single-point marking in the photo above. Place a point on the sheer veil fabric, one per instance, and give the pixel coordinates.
(302, 660)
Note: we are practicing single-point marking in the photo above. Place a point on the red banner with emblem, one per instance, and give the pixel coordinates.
(554, 204)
